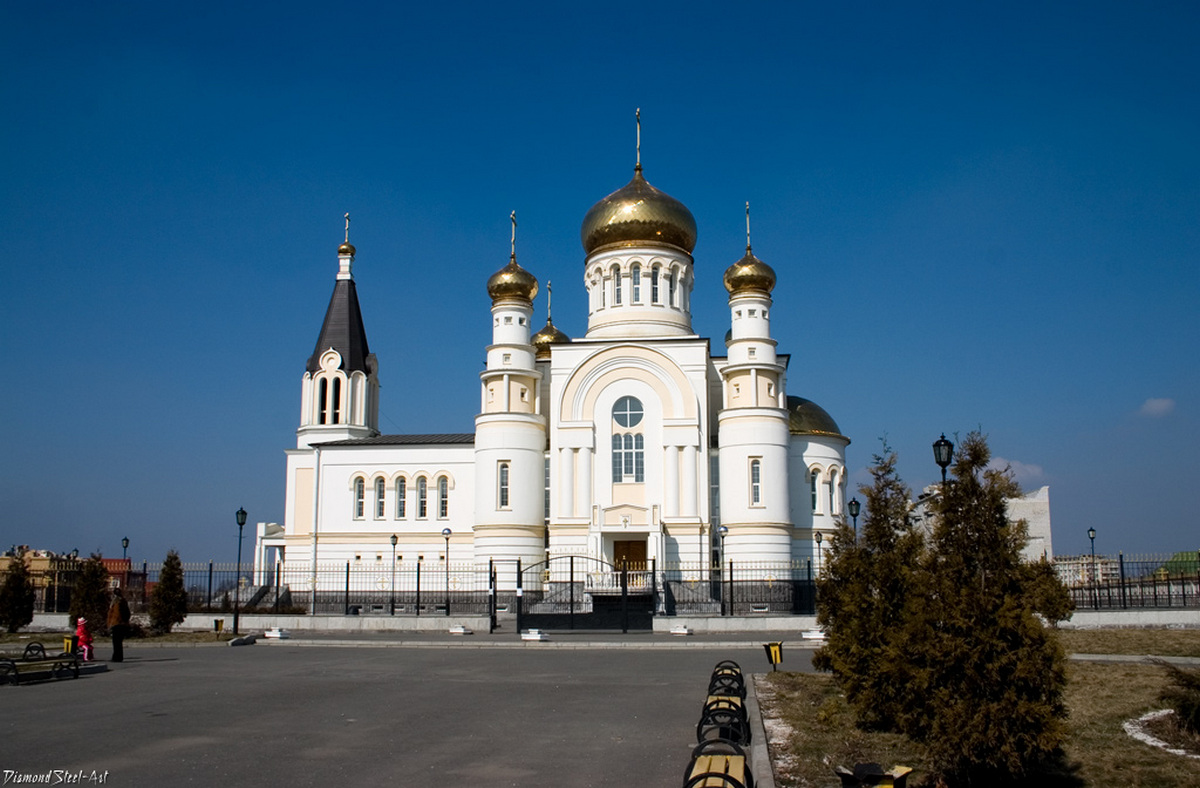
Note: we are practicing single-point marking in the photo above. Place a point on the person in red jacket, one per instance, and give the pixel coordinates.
(85, 639)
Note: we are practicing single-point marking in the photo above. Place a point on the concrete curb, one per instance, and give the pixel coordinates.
(760, 752)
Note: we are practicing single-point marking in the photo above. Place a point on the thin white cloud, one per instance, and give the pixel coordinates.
(1025, 472)
(1157, 407)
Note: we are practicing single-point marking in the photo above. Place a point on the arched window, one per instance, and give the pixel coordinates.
(502, 485)
(833, 507)
(654, 285)
(380, 498)
(812, 486)
(322, 399)
(360, 494)
(401, 496)
(670, 288)
(443, 497)
(422, 498)
(616, 276)
(629, 448)
(335, 413)
(755, 482)
(636, 284)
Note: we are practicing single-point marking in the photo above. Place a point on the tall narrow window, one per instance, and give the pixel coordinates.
(422, 498)
(503, 485)
(639, 458)
(322, 399)
(380, 498)
(360, 493)
(443, 497)
(636, 284)
(546, 498)
(833, 508)
(401, 495)
(335, 416)
(755, 482)
(670, 288)
(616, 275)
(812, 486)
(654, 285)
(629, 448)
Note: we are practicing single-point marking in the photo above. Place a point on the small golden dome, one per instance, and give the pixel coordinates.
(806, 417)
(638, 213)
(346, 248)
(512, 281)
(549, 335)
(749, 273)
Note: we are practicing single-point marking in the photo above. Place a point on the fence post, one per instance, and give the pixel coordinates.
(491, 595)
(731, 588)
(419, 588)
(570, 591)
(278, 569)
(208, 602)
(625, 597)
(520, 594)
(654, 586)
(347, 611)
(1121, 567)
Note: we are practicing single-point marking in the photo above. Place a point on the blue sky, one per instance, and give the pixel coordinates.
(980, 217)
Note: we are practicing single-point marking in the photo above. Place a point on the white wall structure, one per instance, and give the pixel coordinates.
(629, 445)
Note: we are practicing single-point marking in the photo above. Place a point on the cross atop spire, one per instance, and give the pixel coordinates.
(747, 226)
(513, 217)
(638, 118)
(549, 298)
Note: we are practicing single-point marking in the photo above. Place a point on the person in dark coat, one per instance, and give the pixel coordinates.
(118, 624)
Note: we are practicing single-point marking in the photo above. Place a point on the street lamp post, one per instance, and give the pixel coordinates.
(393, 603)
(943, 453)
(125, 548)
(446, 534)
(1095, 595)
(819, 539)
(854, 507)
(237, 589)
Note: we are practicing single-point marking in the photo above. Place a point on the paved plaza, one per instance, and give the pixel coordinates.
(582, 710)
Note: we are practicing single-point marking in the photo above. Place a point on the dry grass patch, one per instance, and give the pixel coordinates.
(1159, 642)
(811, 729)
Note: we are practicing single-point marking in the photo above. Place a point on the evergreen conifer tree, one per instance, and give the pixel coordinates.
(16, 596)
(985, 677)
(89, 596)
(863, 598)
(168, 601)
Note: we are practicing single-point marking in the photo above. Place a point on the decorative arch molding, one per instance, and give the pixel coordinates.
(625, 362)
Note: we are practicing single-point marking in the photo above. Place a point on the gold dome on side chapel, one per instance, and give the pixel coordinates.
(806, 417)
(547, 336)
(638, 213)
(749, 273)
(512, 281)
(346, 249)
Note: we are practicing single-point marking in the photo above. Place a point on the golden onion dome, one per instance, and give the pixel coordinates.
(749, 273)
(549, 335)
(806, 417)
(638, 213)
(346, 248)
(512, 281)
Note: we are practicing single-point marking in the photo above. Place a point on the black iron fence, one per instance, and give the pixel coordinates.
(1122, 583)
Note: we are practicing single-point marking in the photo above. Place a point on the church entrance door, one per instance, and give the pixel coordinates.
(630, 554)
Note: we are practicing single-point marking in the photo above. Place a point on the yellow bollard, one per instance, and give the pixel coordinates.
(774, 653)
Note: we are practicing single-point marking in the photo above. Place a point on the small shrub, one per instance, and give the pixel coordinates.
(1182, 695)
(16, 596)
(168, 601)
(89, 597)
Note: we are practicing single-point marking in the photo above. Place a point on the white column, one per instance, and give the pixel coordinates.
(585, 479)
(566, 483)
(690, 481)
(671, 501)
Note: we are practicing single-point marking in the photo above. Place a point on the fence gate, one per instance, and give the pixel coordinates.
(579, 592)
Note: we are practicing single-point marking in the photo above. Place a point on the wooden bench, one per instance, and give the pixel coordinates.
(718, 763)
(34, 661)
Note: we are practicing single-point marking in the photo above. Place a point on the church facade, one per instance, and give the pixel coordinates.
(631, 444)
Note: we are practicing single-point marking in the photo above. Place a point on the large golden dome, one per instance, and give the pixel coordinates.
(638, 213)
(806, 417)
(749, 273)
(512, 281)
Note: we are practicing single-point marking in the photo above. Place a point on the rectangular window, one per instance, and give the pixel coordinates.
(380, 499)
(443, 498)
(360, 493)
(422, 498)
(636, 284)
(812, 485)
(616, 287)
(654, 285)
(401, 495)
(755, 482)
(503, 485)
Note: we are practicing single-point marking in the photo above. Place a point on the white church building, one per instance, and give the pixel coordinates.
(636, 443)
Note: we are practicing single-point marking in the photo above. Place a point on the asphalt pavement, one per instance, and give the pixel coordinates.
(427, 709)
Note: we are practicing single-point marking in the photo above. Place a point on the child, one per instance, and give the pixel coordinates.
(85, 639)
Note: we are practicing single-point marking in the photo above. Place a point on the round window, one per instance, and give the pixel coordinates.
(627, 412)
